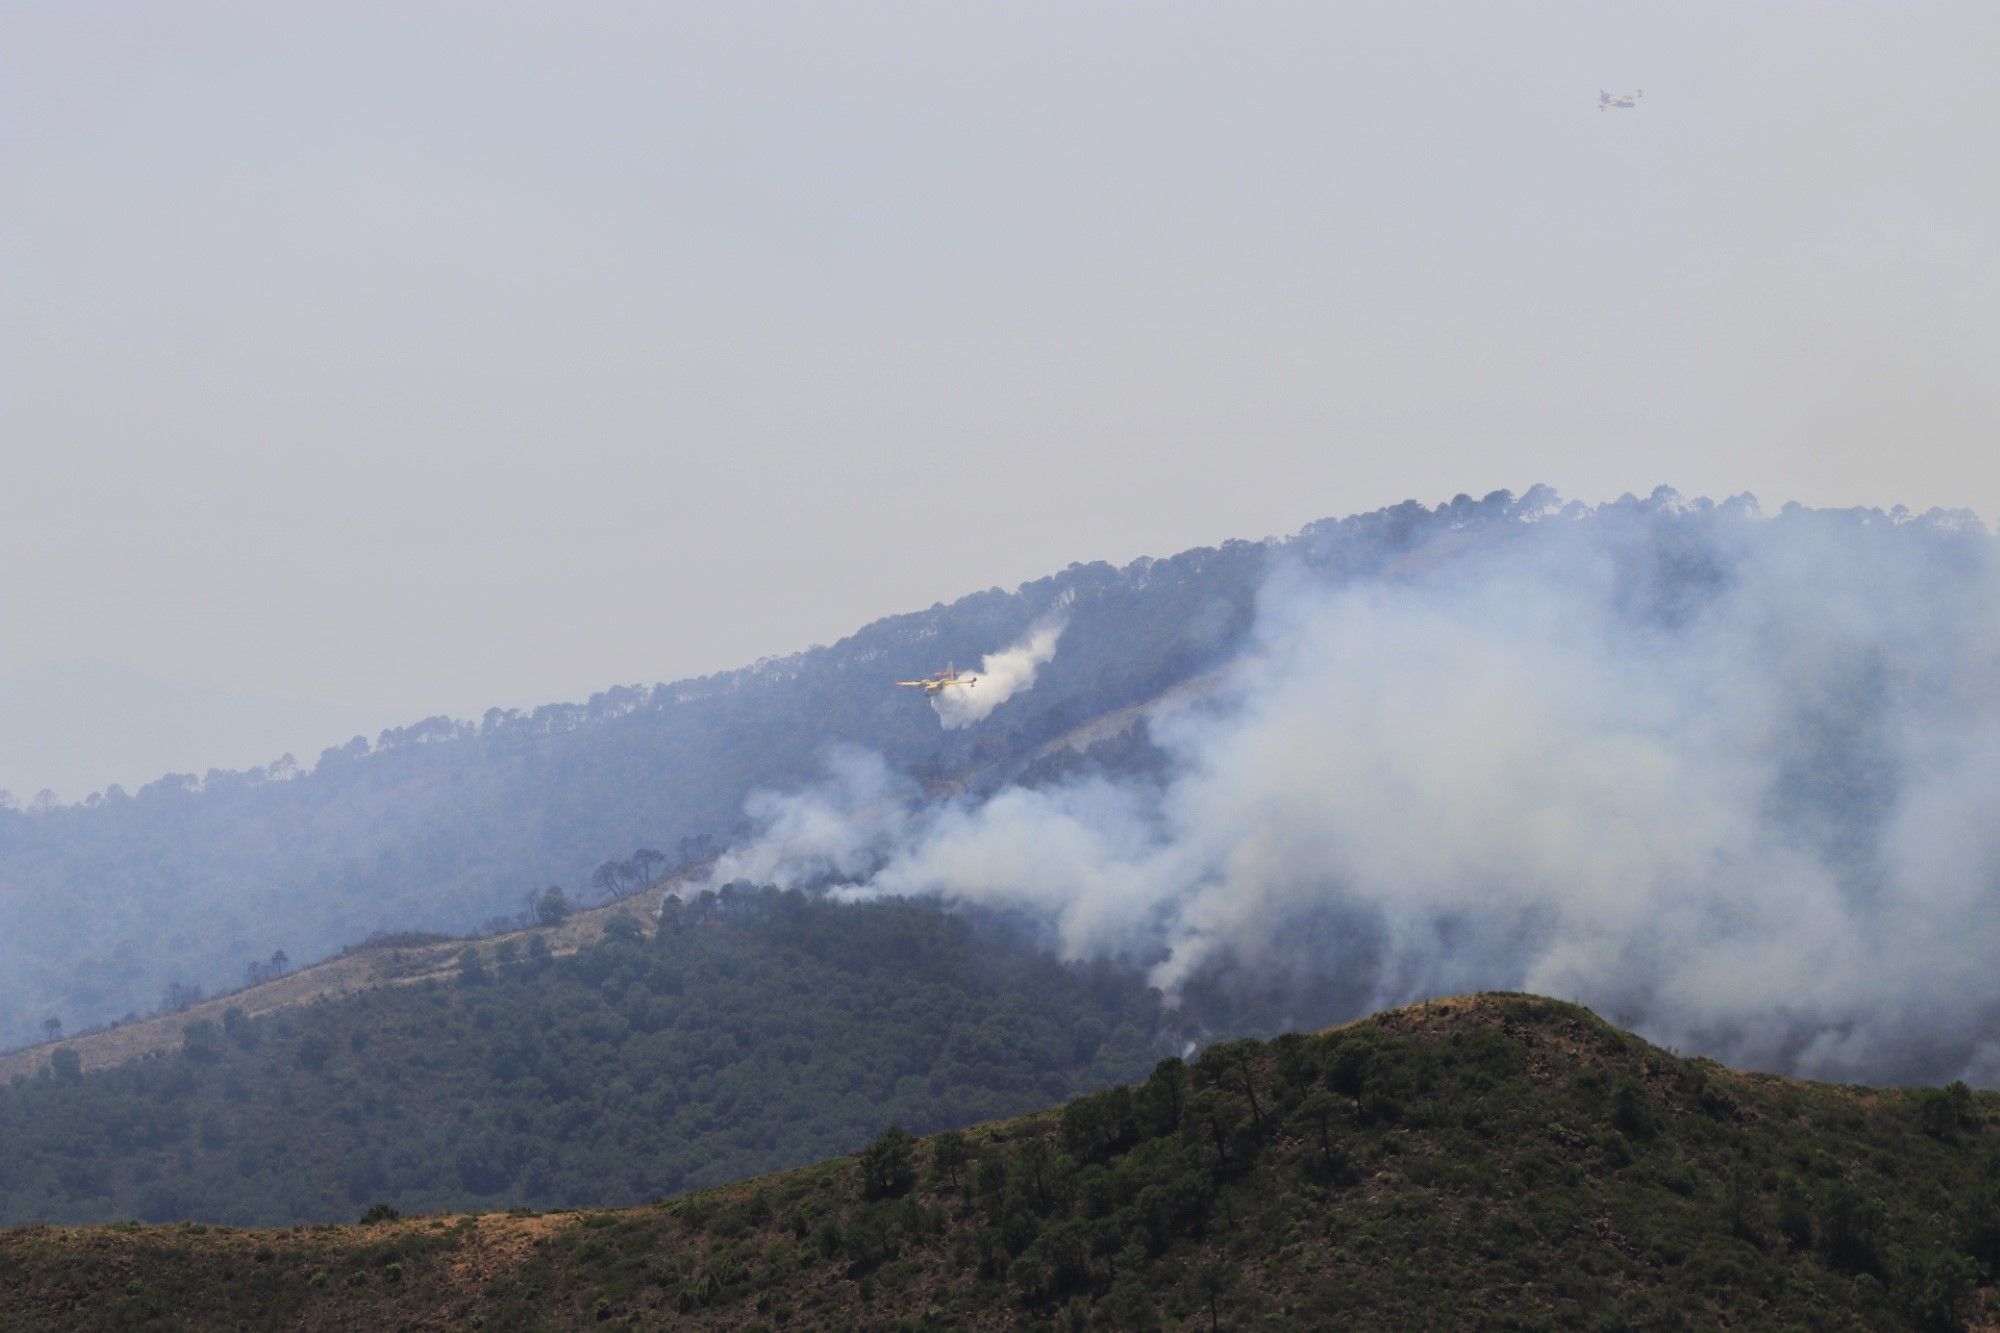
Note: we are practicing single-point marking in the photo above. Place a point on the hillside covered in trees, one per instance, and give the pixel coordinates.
(755, 1030)
(446, 824)
(187, 882)
(1505, 744)
(1502, 1161)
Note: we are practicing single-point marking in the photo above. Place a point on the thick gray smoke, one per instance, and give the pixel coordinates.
(1732, 779)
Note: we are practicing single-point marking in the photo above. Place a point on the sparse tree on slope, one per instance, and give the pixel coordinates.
(609, 879)
(552, 906)
(888, 1165)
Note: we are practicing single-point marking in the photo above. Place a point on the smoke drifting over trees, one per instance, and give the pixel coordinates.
(1732, 777)
(442, 824)
(1728, 776)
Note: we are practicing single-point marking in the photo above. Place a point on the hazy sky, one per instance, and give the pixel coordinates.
(415, 358)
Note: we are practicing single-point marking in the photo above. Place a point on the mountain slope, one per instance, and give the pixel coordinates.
(1635, 753)
(385, 960)
(756, 1030)
(445, 824)
(1500, 1161)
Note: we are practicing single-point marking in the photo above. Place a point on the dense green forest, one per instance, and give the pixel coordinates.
(755, 1030)
(1501, 1162)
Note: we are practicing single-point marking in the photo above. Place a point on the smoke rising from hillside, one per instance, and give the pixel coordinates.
(1733, 779)
(841, 831)
(1001, 676)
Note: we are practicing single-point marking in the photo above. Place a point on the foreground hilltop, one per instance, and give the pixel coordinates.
(1496, 1161)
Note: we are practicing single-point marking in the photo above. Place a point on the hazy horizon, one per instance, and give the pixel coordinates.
(413, 361)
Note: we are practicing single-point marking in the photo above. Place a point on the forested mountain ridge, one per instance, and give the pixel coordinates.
(1809, 691)
(383, 960)
(737, 1032)
(1496, 1161)
(445, 824)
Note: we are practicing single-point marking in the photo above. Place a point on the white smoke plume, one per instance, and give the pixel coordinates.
(841, 830)
(1001, 676)
(1732, 779)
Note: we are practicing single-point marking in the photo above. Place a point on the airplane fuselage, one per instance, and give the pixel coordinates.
(939, 683)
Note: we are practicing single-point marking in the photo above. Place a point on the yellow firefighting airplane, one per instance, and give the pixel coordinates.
(941, 682)
(1605, 101)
